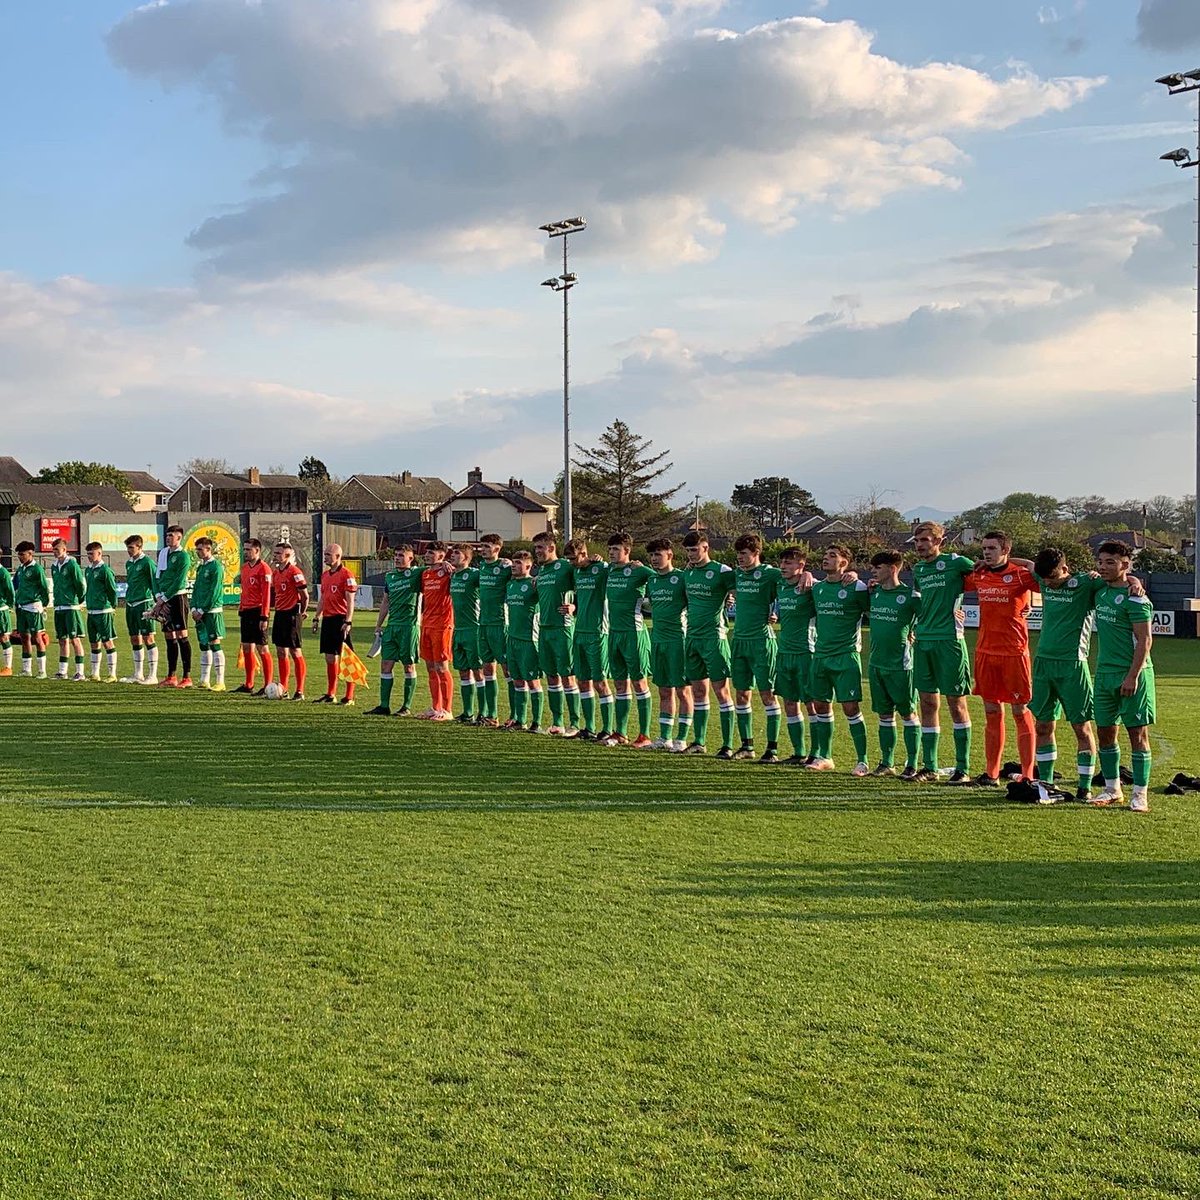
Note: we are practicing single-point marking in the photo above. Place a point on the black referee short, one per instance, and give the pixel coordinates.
(286, 629)
(253, 633)
(333, 635)
(177, 622)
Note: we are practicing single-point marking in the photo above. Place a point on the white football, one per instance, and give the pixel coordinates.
(274, 692)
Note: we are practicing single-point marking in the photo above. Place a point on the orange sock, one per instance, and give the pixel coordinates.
(251, 666)
(301, 673)
(349, 690)
(284, 670)
(268, 668)
(331, 673)
(447, 691)
(993, 742)
(1027, 743)
(435, 691)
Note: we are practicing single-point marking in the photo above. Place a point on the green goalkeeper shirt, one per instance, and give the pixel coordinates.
(208, 591)
(521, 602)
(174, 579)
(839, 608)
(707, 588)
(555, 582)
(140, 581)
(1066, 634)
(30, 586)
(591, 609)
(1117, 613)
(464, 598)
(625, 590)
(756, 591)
(893, 613)
(493, 582)
(668, 606)
(941, 584)
(100, 593)
(68, 581)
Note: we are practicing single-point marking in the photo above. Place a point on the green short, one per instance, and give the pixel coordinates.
(752, 663)
(706, 658)
(68, 623)
(30, 622)
(892, 692)
(493, 643)
(210, 629)
(464, 651)
(6, 620)
(793, 676)
(556, 652)
(942, 667)
(399, 643)
(1131, 711)
(836, 677)
(591, 657)
(524, 664)
(1062, 686)
(629, 654)
(137, 623)
(668, 665)
(101, 628)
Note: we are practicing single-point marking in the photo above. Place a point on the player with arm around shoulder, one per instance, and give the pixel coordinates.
(208, 615)
(100, 596)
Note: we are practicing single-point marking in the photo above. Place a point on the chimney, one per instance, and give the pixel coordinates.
(475, 476)
(406, 477)
(255, 476)
(512, 484)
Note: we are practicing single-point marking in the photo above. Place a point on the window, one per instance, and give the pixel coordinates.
(462, 520)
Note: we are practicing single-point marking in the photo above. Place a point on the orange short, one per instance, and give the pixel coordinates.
(435, 643)
(1003, 678)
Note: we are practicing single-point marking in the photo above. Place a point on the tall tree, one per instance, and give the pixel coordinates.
(312, 468)
(204, 466)
(774, 500)
(91, 472)
(1043, 509)
(720, 518)
(872, 520)
(619, 486)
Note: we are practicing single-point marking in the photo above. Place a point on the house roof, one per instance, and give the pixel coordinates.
(8, 499)
(523, 499)
(72, 497)
(218, 479)
(12, 473)
(1134, 538)
(143, 481)
(392, 488)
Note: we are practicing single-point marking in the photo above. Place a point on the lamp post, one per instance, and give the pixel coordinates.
(564, 283)
(1177, 84)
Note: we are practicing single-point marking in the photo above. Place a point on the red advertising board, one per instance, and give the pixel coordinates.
(51, 528)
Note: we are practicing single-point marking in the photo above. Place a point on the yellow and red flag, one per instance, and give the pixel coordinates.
(351, 668)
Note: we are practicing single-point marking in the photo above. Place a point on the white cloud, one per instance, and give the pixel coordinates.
(455, 127)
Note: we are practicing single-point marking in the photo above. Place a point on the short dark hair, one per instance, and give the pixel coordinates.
(575, 544)
(998, 535)
(254, 542)
(1119, 549)
(521, 556)
(1048, 560)
(749, 541)
(93, 546)
(203, 541)
(283, 545)
(464, 548)
(403, 548)
(793, 554)
(174, 529)
(544, 536)
(54, 545)
(21, 547)
(620, 539)
(695, 538)
(659, 546)
(437, 546)
(841, 552)
(887, 558)
(134, 539)
(492, 539)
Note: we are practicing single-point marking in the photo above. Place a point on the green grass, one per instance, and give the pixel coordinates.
(255, 950)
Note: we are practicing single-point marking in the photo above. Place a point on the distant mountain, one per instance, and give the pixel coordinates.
(940, 515)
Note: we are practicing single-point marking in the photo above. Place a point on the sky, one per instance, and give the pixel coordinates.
(924, 251)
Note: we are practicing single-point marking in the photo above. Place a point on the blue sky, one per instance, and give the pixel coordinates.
(924, 249)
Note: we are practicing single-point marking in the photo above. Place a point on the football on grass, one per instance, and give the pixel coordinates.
(274, 692)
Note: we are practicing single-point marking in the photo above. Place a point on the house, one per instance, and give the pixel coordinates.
(12, 474)
(249, 491)
(513, 510)
(367, 493)
(70, 498)
(1136, 539)
(150, 494)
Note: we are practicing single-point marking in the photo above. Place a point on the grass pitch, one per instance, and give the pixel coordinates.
(272, 950)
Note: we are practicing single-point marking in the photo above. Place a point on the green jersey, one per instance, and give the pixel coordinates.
(464, 598)
(1117, 612)
(403, 590)
(493, 580)
(555, 582)
(29, 585)
(68, 581)
(140, 581)
(940, 582)
(174, 579)
(1066, 618)
(839, 607)
(707, 588)
(208, 590)
(668, 606)
(797, 634)
(625, 590)
(521, 603)
(7, 595)
(756, 591)
(591, 611)
(893, 613)
(100, 592)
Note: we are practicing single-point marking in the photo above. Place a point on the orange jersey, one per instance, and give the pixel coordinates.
(1003, 602)
(337, 586)
(256, 586)
(289, 582)
(436, 609)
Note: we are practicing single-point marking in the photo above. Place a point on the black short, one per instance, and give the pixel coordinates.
(332, 636)
(285, 631)
(177, 622)
(253, 631)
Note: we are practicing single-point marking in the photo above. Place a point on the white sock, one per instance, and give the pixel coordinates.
(8, 657)
(111, 658)
(205, 665)
(219, 666)
(27, 666)
(96, 663)
(137, 662)
(152, 671)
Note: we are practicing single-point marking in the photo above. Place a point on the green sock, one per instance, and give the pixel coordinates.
(773, 721)
(929, 748)
(666, 722)
(912, 742)
(1085, 764)
(643, 711)
(385, 691)
(512, 693)
(587, 703)
(520, 696)
(962, 747)
(1141, 768)
(858, 735)
(572, 695)
(684, 727)
(623, 714)
(64, 662)
(827, 736)
(489, 698)
(701, 719)
(745, 723)
(606, 715)
(795, 726)
(535, 714)
(556, 705)
(887, 741)
(468, 697)
(1046, 757)
(79, 662)
(1110, 763)
(410, 686)
(726, 727)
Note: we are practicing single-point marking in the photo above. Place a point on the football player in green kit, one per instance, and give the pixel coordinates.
(706, 646)
(591, 642)
(141, 579)
(494, 574)
(793, 661)
(524, 664)
(7, 598)
(556, 651)
(397, 625)
(66, 579)
(173, 589)
(752, 658)
(894, 609)
(31, 594)
(668, 667)
(100, 597)
(464, 648)
(628, 641)
(208, 614)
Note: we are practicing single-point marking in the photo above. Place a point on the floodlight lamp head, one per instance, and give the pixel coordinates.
(1195, 74)
(1179, 156)
(562, 228)
(1172, 81)
(550, 283)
